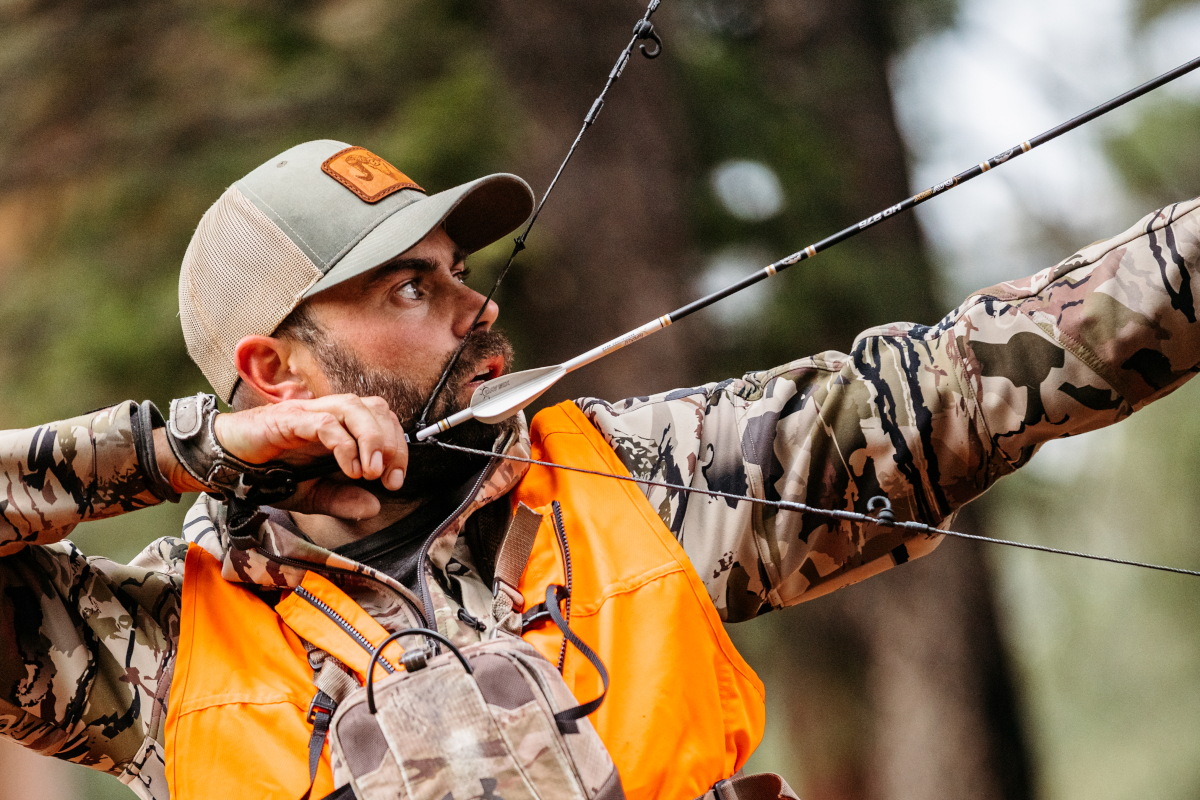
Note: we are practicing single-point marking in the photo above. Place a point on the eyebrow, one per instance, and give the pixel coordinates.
(424, 266)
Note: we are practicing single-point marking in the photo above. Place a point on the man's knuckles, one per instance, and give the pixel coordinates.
(378, 405)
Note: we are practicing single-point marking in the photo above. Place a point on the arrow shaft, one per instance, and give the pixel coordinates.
(771, 270)
(934, 191)
(611, 346)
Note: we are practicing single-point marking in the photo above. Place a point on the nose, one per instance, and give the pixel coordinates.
(469, 306)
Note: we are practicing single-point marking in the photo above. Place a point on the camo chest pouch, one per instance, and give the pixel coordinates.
(492, 721)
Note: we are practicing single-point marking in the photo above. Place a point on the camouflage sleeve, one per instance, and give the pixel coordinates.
(85, 643)
(58, 475)
(929, 416)
(86, 654)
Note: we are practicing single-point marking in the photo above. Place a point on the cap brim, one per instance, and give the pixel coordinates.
(476, 214)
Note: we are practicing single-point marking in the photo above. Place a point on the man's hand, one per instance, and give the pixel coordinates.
(363, 435)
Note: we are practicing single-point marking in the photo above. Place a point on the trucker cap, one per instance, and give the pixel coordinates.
(308, 219)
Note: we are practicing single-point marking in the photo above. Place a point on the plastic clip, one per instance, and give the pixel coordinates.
(321, 704)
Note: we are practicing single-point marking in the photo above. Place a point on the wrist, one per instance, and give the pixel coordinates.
(145, 422)
(201, 459)
(181, 480)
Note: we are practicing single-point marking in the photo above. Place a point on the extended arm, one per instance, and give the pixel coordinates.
(58, 475)
(930, 416)
(85, 643)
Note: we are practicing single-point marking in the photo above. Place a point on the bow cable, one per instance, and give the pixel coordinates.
(642, 30)
(879, 504)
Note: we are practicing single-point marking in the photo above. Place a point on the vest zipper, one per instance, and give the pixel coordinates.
(342, 623)
(422, 581)
(560, 530)
(308, 565)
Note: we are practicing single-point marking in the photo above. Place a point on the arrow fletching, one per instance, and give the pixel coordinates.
(500, 398)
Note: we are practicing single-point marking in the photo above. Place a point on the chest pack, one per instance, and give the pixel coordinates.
(493, 720)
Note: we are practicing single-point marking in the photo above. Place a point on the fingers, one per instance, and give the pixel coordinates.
(389, 460)
(363, 434)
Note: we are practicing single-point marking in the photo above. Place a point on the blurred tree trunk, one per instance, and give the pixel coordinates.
(609, 252)
(918, 647)
(943, 715)
(947, 722)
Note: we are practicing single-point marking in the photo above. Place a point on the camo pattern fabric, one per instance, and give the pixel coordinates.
(440, 732)
(86, 644)
(929, 416)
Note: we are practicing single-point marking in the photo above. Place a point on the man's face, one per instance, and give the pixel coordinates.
(390, 333)
(407, 317)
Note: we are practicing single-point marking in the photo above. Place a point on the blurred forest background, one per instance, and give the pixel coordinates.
(766, 125)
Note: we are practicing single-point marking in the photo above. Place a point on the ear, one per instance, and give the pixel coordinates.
(278, 369)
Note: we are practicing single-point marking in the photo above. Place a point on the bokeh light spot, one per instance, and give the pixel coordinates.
(748, 190)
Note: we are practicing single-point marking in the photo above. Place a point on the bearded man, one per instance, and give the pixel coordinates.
(321, 296)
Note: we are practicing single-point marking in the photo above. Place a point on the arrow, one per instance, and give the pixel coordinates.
(502, 397)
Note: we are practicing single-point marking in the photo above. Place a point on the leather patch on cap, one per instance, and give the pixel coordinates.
(366, 174)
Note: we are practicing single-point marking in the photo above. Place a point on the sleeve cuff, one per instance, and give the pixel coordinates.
(145, 418)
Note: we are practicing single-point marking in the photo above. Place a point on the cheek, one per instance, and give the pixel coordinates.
(406, 348)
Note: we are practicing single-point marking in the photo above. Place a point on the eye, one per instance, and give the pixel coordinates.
(463, 274)
(409, 290)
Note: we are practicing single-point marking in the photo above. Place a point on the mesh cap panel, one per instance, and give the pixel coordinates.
(241, 277)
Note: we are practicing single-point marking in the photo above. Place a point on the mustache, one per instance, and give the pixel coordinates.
(480, 347)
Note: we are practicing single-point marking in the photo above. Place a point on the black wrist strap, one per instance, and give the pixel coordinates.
(144, 420)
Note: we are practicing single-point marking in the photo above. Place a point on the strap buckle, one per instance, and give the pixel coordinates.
(320, 704)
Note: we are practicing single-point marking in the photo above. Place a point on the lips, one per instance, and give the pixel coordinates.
(491, 368)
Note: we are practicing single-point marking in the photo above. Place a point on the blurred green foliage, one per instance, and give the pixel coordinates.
(1153, 158)
(123, 123)
(1148, 11)
(1108, 653)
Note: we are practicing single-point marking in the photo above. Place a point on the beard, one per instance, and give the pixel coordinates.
(431, 469)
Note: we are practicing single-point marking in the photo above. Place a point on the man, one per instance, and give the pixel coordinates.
(322, 295)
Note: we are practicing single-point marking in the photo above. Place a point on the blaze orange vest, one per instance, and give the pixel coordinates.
(683, 709)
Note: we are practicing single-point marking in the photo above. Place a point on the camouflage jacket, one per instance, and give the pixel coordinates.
(929, 416)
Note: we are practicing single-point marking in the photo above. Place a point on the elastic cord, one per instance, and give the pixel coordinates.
(393, 637)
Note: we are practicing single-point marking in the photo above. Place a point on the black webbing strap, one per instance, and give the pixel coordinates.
(566, 719)
(320, 713)
(144, 421)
